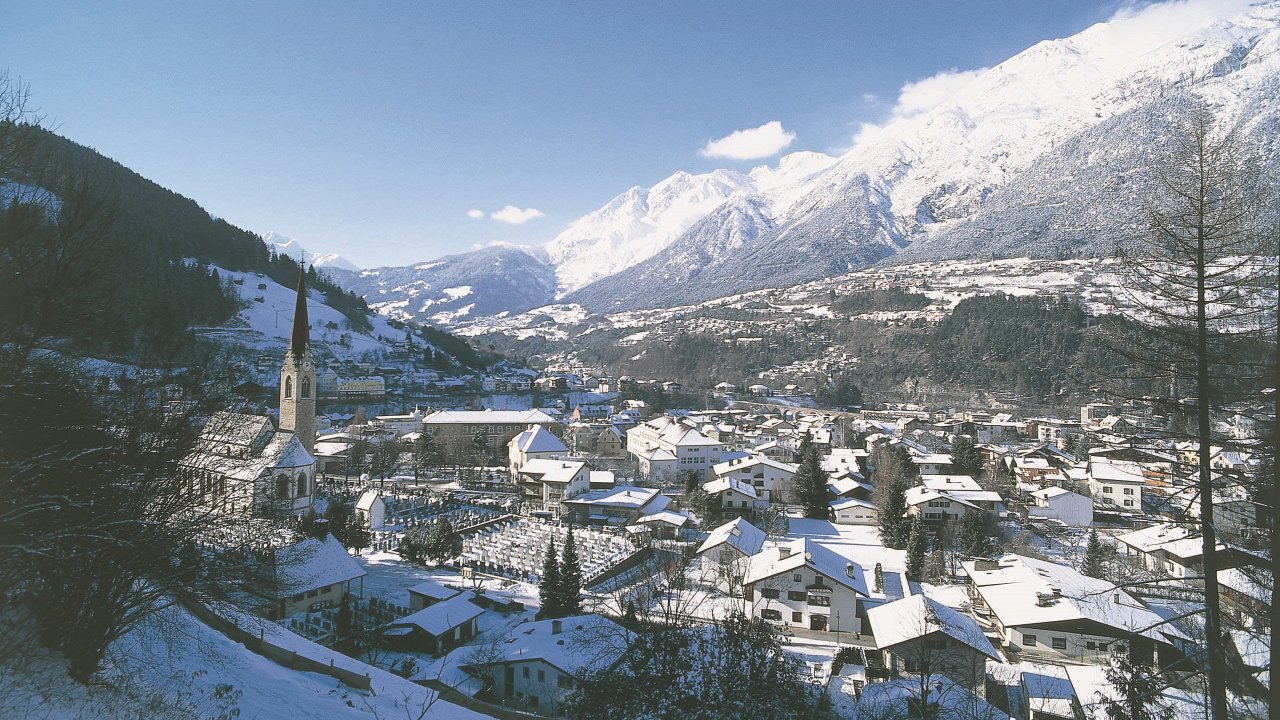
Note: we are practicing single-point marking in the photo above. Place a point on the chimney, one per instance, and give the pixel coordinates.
(556, 627)
(783, 551)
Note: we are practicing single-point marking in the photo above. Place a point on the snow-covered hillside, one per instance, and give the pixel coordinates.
(266, 321)
(291, 247)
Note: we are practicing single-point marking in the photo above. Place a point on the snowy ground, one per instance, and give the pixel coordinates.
(173, 666)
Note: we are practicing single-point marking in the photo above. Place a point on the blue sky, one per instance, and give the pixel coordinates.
(373, 129)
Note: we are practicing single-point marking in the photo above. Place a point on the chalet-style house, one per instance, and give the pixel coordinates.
(806, 585)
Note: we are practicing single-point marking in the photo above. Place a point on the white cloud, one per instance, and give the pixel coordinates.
(870, 98)
(760, 142)
(475, 214)
(513, 215)
(1140, 27)
(924, 95)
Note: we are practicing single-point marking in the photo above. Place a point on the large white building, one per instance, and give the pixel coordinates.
(1117, 485)
(1057, 503)
(667, 449)
(771, 479)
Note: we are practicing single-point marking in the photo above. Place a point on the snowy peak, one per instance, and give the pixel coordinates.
(289, 246)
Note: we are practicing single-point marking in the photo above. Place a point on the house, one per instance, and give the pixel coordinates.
(618, 505)
(663, 524)
(853, 511)
(1047, 693)
(311, 575)
(242, 464)
(609, 443)
(496, 427)
(932, 463)
(1178, 550)
(1116, 485)
(950, 497)
(771, 478)
(436, 628)
(1061, 504)
(538, 663)
(400, 425)
(806, 585)
(546, 484)
(733, 541)
(1246, 595)
(1043, 611)
(427, 593)
(734, 495)
(842, 485)
(535, 442)
(371, 509)
(922, 637)
(666, 448)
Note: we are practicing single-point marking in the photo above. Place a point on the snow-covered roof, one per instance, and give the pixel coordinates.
(955, 700)
(740, 534)
(1052, 492)
(919, 494)
(932, 459)
(843, 485)
(917, 616)
(950, 482)
(656, 454)
(442, 617)
(719, 485)
(367, 499)
(494, 417)
(750, 462)
(313, 564)
(1047, 689)
(1117, 472)
(1257, 583)
(582, 643)
(845, 503)
(1026, 591)
(538, 439)
(433, 590)
(1179, 540)
(805, 552)
(625, 496)
(553, 471)
(669, 517)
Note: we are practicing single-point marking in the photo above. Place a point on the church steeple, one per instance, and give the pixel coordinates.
(298, 374)
(301, 327)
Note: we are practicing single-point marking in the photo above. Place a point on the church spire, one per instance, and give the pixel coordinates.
(301, 327)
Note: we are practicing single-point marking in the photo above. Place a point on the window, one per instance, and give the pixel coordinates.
(282, 488)
(1128, 503)
(817, 580)
(796, 577)
(542, 676)
(1106, 488)
(1128, 491)
(1029, 640)
(795, 595)
(524, 672)
(797, 617)
(1059, 643)
(770, 615)
(312, 593)
(1091, 645)
(288, 387)
(820, 600)
(306, 387)
(564, 681)
(302, 484)
(770, 593)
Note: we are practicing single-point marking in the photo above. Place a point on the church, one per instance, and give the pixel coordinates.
(243, 464)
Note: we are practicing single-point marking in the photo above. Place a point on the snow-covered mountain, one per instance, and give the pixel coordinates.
(1042, 155)
(291, 247)
(456, 288)
(1047, 154)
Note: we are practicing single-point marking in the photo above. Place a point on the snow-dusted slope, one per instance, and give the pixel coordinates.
(1047, 138)
(291, 247)
(457, 288)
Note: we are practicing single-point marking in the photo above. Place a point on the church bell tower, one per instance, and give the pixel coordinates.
(298, 375)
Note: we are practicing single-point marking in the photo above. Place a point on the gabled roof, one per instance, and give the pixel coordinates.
(720, 485)
(623, 496)
(548, 470)
(917, 616)
(919, 494)
(750, 462)
(739, 534)
(313, 564)
(805, 552)
(845, 503)
(367, 499)
(433, 590)
(496, 417)
(583, 643)
(1117, 472)
(1026, 591)
(442, 617)
(1179, 540)
(538, 439)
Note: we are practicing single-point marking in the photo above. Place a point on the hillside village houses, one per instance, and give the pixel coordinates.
(666, 448)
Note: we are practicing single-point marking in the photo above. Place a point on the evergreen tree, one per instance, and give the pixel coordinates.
(413, 544)
(442, 541)
(549, 584)
(893, 523)
(570, 578)
(915, 549)
(1138, 689)
(426, 454)
(338, 516)
(811, 482)
(965, 456)
(357, 534)
(972, 536)
(1094, 564)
